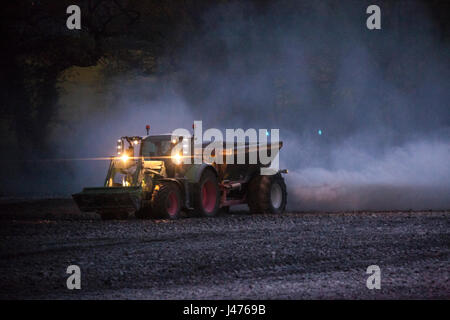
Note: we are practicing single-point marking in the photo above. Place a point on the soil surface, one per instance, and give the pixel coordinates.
(233, 256)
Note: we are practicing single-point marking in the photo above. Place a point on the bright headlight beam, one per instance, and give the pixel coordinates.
(177, 158)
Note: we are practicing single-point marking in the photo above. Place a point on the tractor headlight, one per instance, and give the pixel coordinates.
(124, 158)
(177, 158)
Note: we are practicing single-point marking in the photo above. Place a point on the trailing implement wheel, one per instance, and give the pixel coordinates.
(207, 195)
(166, 201)
(267, 194)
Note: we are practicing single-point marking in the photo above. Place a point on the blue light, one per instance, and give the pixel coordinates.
(319, 132)
(267, 133)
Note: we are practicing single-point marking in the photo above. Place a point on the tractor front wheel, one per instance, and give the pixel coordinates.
(166, 201)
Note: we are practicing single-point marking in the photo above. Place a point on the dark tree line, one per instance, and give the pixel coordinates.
(37, 47)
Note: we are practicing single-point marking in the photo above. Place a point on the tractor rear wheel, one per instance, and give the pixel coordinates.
(267, 194)
(207, 195)
(166, 201)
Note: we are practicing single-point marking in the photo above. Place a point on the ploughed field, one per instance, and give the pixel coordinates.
(316, 255)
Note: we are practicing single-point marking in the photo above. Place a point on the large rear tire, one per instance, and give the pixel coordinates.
(207, 195)
(267, 194)
(166, 201)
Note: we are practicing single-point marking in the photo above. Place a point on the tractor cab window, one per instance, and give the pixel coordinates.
(156, 147)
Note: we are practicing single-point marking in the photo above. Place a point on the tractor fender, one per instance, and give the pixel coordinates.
(176, 181)
(194, 173)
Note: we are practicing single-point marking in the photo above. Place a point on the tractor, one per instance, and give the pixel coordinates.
(146, 178)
